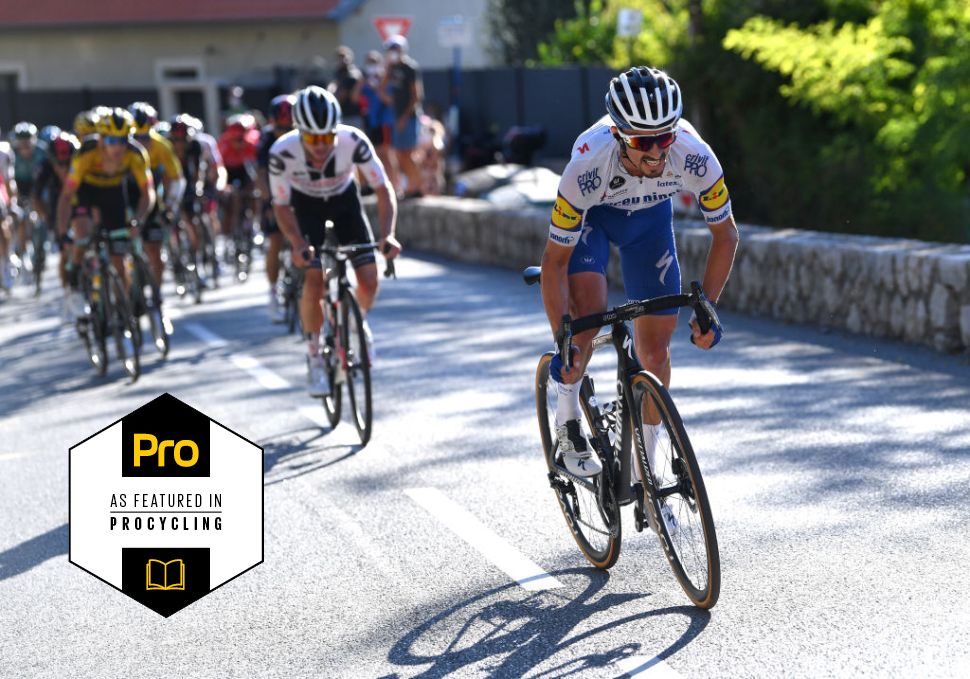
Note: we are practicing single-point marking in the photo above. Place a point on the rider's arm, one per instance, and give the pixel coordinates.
(373, 172)
(720, 258)
(71, 183)
(140, 170)
(279, 186)
(555, 282)
(173, 178)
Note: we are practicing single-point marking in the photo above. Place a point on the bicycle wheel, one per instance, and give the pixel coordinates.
(39, 238)
(358, 367)
(690, 548)
(122, 325)
(150, 298)
(331, 360)
(92, 330)
(589, 507)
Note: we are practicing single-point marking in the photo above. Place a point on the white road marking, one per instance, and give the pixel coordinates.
(12, 456)
(529, 575)
(210, 338)
(315, 415)
(263, 375)
(266, 377)
(642, 666)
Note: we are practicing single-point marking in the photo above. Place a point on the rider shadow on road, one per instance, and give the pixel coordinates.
(508, 631)
(33, 552)
(301, 451)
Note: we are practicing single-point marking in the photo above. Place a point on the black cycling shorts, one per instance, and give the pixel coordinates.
(344, 210)
(239, 176)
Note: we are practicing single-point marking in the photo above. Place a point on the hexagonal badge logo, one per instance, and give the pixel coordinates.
(166, 505)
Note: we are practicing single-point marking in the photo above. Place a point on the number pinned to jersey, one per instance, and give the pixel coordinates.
(715, 197)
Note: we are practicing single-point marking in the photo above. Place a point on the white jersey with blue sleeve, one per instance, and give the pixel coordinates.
(595, 176)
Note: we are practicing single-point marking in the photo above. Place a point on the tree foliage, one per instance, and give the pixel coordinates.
(849, 115)
(514, 25)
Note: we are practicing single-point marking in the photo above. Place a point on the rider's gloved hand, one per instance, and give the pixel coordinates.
(556, 367)
(707, 340)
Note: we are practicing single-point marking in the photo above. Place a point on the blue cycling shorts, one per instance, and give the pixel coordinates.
(648, 255)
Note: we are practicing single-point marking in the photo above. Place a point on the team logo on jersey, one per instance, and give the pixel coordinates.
(276, 164)
(696, 164)
(564, 215)
(589, 181)
(617, 182)
(715, 197)
(584, 148)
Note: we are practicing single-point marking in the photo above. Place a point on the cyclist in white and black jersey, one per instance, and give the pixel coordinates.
(311, 177)
(8, 188)
(617, 188)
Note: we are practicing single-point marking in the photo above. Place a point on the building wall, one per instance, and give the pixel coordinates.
(126, 57)
(357, 30)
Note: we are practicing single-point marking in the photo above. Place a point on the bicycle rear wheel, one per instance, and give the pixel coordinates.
(91, 328)
(589, 507)
(358, 367)
(331, 360)
(691, 547)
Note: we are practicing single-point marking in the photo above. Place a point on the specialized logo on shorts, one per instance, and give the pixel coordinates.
(696, 164)
(166, 505)
(589, 181)
(564, 215)
(715, 197)
(617, 182)
(664, 265)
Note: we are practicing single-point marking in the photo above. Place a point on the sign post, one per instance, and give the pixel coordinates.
(454, 32)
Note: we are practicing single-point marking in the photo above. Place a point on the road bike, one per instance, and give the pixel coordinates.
(289, 290)
(146, 299)
(343, 341)
(107, 309)
(673, 482)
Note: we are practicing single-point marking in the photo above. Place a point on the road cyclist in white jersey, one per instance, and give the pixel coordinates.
(617, 188)
(8, 188)
(311, 176)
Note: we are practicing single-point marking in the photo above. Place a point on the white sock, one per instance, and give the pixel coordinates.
(651, 433)
(313, 343)
(567, 403)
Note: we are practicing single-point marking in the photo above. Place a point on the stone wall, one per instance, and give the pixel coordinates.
(910, 290)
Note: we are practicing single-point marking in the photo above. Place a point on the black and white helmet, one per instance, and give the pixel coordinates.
(644, 99)
(316, 110)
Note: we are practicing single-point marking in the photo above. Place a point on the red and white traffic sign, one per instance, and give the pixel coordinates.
(391, 26)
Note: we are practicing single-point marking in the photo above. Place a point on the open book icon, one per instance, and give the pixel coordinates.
(165, 574)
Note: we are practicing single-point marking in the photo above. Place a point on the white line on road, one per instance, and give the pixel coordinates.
(12, 456)
(263, 375)
(210, 338)
(315, 415)
(478, 535)
(652, 668)
(266, 377)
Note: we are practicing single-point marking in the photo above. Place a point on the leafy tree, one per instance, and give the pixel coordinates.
(515, 26)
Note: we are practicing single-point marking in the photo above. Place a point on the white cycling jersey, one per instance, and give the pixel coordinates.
(595, 176)
(210, 149)
(289, 169)
(6, 172)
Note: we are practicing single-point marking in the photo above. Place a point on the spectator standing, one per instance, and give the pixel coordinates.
(378, 116)
(403, 91)
(346, 76)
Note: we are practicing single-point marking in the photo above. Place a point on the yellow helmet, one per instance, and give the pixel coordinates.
(117, 122)
(85, 123)
(144, 116)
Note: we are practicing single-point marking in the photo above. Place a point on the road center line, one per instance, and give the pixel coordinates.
(210, 338)
(266, 377)
(642, 666)
(462, 522)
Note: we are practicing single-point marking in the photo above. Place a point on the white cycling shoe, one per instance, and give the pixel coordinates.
(576, 455)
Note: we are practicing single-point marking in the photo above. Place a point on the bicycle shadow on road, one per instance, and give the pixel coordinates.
(33, 552)
(299, 452)
(508, 631)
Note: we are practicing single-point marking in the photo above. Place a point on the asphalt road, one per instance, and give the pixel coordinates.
(838, 468)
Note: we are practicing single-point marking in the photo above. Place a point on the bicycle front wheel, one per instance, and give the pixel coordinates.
(590, 508)
(123, 327)
(675, 489)
(331, 361)
(358, 367)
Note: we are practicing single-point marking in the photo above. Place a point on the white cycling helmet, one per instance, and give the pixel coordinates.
(644, 99)
(316, 110)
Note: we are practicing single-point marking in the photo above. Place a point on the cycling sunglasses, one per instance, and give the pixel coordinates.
(313, 139)
(112, 140)
(647, 142)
